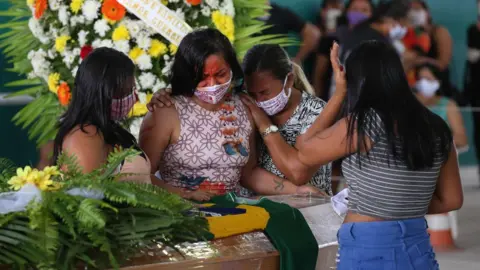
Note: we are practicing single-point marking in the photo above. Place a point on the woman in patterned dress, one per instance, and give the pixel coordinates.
(204, 144)
(281, 89)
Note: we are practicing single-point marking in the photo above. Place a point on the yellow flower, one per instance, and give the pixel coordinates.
(140, 109)
(30, 2)
(224, 24)
(41, 179)
(164, 2)
(61, 43)
(173, 49)
(157, 48)
(120, 33)
(135, 53)
(53, 80)
(76, 5)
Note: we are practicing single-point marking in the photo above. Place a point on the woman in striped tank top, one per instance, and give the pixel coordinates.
(400, 161)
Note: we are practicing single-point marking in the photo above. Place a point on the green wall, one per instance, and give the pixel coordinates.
(455, 15)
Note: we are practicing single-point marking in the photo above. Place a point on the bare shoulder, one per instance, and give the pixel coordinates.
(442, 32)
(452, 104)
(86, 137)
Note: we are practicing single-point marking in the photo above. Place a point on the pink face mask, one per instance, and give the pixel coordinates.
(278, 103)
(213, 94)
(121, 107)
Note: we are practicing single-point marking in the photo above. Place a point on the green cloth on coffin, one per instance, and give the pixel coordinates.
(288, 231)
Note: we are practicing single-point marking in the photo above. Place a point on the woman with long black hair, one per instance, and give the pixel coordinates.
(104, 94)
(400, 162)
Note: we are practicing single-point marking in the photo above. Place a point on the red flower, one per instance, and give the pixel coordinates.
(86, 50)
(113, 10)
(194, 2)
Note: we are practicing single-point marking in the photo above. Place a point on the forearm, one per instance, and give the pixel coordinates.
(437, 206)
(266, 183)
(328, 116)
(161, 183)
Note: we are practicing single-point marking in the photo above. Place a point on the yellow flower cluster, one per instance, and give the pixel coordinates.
(76, 5)
(140, 109)
(41, 179)
(120, 33)
(53, 80)
(157, 48)
(224, 24)
(61, 43)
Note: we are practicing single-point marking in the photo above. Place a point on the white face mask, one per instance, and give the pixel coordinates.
(427, 88)
(213, 94)
(278, 103)
(418, 17)
(331, 19)
(398, 32)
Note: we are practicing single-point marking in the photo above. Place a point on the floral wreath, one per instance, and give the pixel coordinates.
(60, 33)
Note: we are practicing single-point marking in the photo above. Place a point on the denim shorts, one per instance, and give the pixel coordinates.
(387, 245)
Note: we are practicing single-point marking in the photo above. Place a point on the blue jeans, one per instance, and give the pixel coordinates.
(386, 245)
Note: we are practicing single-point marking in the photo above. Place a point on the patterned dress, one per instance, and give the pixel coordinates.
(212, 149)
(302, 118)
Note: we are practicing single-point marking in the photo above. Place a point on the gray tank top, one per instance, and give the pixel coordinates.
(385, 188)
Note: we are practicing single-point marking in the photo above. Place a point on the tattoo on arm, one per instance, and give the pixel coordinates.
(279, 184)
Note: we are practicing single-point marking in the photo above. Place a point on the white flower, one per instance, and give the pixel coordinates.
(79, 19)
(122, 46)
(206, 11)
(142, 97)
(135, 127)
(147, 80)
(76, 51)
(37, 31)
(144, 62)
(166, 57)
(144, 41)
(134, 27)
(41, 67)
(31, 75)
(90, 9)
(97, 43)
(159, 84)
(63, 15)
(54, 32)
(212, 3)
(82, 37)
(74, 71)
(180, 14)
(167, 68)
(195, 15)
(101, 27)
(227, 8)
(54, 4)
(68, 58)
(52, 53)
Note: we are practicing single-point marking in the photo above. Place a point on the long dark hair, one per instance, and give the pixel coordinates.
(377, 85)
(103, 75)
(272, 58)
(194, 49)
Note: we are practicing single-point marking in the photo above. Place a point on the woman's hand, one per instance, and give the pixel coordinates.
(308, 189)
(161, 98)
(338, 70)
(198, 195)
(262, 121)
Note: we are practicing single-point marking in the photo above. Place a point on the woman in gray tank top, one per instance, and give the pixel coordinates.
(399, 161)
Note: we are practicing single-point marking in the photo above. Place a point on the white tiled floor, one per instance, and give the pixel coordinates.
(469, 227)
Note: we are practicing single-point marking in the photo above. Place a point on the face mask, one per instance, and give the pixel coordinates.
(427, 88)
(278, 103)
(121, 107)
(213, 94)
(397, 32)
(418, 17)
(356, 17)
(331, 19)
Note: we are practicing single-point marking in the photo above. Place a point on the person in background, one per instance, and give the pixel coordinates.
(387, 24)
(472, 78)
(45, 155)
(284, 21)
(281, 89)
(104, 94)
(205, 144)
(330, 12)
(356, 11)
(441, 44)
(401, 162)
(429, 89)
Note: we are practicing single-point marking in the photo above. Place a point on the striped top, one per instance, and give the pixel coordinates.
(384, 187)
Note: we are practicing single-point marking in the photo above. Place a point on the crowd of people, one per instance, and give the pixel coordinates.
(260, 128)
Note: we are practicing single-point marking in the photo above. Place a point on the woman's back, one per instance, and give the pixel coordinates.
(212, 147)
(384, 186)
